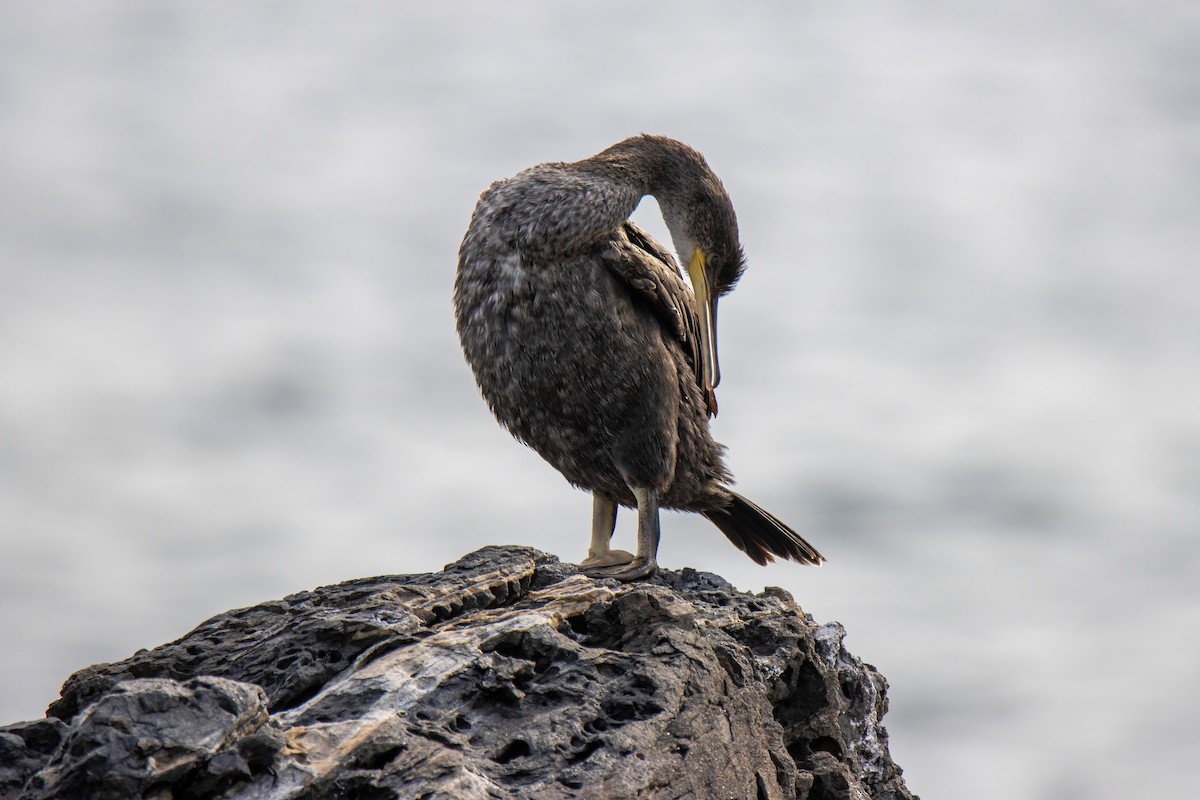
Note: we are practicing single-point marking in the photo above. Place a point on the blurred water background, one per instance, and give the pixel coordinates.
(964, 361)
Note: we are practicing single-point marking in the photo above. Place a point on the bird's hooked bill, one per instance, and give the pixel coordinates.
(706, 311)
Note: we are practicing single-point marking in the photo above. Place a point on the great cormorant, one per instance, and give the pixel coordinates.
(590, 347)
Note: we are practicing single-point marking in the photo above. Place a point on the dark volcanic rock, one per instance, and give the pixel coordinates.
(150, 732)
(24, 749)
(294, 646)
(508, 675)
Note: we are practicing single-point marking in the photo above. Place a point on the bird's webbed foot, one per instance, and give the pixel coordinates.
(606, 560)
(636, 569)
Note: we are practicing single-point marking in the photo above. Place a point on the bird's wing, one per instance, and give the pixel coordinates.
(649, 270)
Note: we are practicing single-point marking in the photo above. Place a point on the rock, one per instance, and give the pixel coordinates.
(151, 732)
(507, 675)
(24, 749)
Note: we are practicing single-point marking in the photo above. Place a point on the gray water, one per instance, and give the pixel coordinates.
(964, 361)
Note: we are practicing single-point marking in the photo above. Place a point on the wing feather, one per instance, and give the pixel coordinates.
(649, 270)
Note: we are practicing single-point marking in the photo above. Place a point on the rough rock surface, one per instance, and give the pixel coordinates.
(507, 675)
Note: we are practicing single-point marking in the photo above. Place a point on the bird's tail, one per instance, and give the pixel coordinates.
(760, 535)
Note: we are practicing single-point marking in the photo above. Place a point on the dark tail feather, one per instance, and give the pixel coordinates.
(760, 535)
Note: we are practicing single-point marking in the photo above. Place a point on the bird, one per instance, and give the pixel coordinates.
(590, 347)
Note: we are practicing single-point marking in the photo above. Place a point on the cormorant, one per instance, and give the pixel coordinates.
(590, 348)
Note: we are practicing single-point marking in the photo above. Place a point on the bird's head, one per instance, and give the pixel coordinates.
(704, 230)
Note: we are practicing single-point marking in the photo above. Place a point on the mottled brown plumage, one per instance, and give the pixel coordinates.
(592, 349)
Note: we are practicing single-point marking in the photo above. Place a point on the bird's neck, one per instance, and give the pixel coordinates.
(642, 166)
(631, 164)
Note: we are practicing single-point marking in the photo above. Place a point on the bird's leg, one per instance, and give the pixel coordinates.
(644, 564)
(604, 521)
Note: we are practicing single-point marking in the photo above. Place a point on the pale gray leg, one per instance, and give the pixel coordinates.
(645, 563)
(604, 521)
